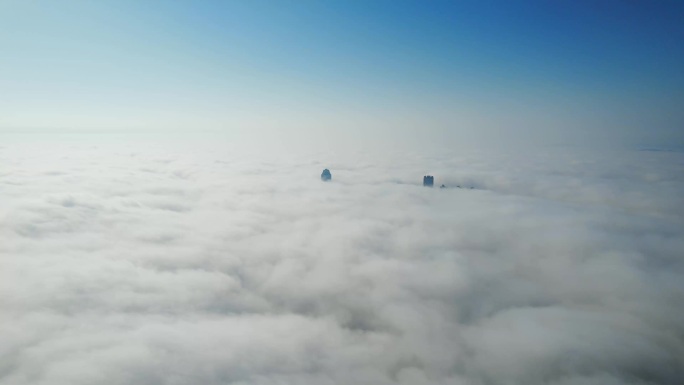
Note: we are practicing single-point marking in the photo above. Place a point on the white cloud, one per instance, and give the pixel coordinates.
(142, 264)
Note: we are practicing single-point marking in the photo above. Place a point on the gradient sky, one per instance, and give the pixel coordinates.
(577, 72)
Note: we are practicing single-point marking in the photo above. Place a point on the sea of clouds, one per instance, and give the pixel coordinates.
(143, 263)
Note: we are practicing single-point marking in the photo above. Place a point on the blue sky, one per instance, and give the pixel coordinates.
(457, 71)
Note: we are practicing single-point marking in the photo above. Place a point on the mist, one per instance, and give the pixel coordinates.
(186, 262)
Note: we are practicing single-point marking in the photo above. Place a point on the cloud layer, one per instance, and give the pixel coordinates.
(124, 264)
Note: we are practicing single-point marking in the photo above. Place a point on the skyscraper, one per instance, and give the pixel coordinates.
(326, 176)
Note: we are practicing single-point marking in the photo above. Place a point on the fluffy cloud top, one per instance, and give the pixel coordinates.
(190, 265)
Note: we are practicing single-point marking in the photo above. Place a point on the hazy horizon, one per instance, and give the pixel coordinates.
(476, 72)
(163, 219)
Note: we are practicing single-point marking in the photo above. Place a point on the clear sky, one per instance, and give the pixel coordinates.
(449, 72)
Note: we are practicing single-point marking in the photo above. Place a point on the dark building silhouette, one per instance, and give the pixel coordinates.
(326, 176)
(428, 180)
